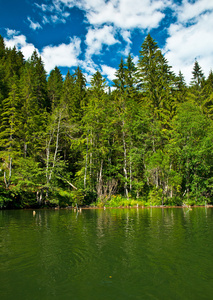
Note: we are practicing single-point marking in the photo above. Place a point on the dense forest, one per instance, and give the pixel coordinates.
(147, 140)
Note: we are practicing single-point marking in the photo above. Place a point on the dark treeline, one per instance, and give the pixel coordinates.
(62, 142)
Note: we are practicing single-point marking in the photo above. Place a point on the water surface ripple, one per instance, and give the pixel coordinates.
(108, 254)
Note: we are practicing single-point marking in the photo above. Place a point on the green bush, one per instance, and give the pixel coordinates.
(4, 201)
(89, 197)
(174, 201)
(68, 198)
(120, 201)
(155, 197)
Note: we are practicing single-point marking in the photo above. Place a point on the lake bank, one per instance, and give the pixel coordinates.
(119, 207)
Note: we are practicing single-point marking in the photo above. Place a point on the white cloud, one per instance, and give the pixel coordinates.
(34, 25)
(190, 11)
(19, 41)
(89, 66)
(108, 71)
(45, 7)
(96, 38)
(63, 55)
(45, 20)
(11, 32)
(190, 37)
(55, 19)
(126, 35)
(189, 41)
(54, 12)
(126, 14)
(135, 59)
(109, 19)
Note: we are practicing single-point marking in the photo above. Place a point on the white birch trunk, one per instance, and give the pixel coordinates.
(85, 170)
(125, 164)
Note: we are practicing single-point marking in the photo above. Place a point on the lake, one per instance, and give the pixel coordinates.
(112, 254)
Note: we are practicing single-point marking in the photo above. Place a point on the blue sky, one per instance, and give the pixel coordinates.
(95, 34)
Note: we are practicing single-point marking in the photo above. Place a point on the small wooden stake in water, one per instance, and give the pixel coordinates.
(34, 213)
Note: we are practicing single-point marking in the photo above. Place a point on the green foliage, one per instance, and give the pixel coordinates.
(155, 197)
(5, 198)
(120, 201)
(54, 86)
(148, 142)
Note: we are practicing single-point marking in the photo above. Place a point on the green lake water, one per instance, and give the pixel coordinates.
(107, 254)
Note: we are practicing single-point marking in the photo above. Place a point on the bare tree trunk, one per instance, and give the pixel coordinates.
(85, 170)
(68, 182)
(130, 172)
(90, 163)
(25, 150)
(156, 177)
(100, 174)
(7, 182)
(56, 147)
(39, 195)
(125, 164)
(49, 172)
(100, 181)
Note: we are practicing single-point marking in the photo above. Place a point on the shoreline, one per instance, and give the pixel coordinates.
(108, 207)
(118, 207)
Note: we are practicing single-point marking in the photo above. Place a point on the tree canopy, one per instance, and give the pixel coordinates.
(66, 142)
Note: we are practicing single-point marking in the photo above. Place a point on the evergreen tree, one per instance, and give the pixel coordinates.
(120, 75)
(67, 94)
(33, 95)
(9, 145)
(2, 48)
(198, 77)
(39, 81)
(79, 92)
(208, 95)
(130, 75)
(156, 79)
(96, 124)
(54, 86)
(192, 135)
(196, 90)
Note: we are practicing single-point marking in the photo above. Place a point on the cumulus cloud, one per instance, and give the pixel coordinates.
(89, 66)
(189, 40)
(109, 20)
(20, 42)
(190, 11)
(126, 35)
(63, 55)
(34, 25)
(113, 22)
(97, 37)
(108, 71)
(128, 14)
(125, 14)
